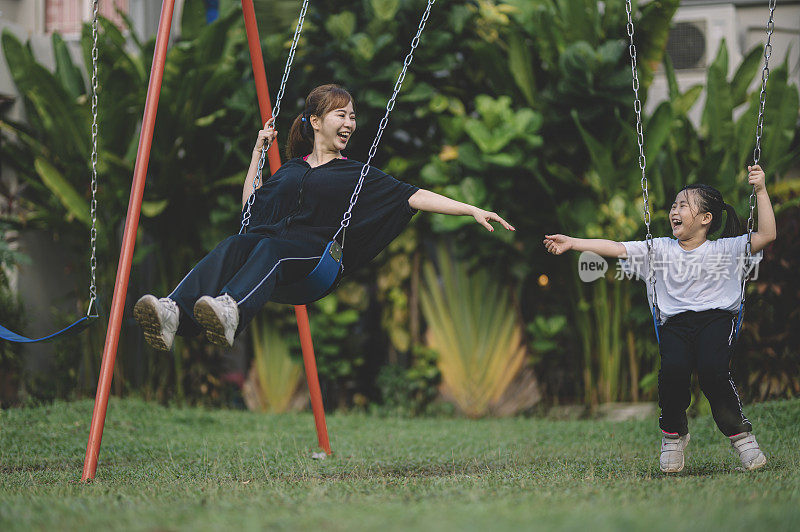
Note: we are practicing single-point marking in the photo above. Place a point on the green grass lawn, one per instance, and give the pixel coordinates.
(167, 468)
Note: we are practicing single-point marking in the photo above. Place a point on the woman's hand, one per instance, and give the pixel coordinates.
(265, 137)
(756, 177)
(425, 200)
(484, 217)
(557, 244)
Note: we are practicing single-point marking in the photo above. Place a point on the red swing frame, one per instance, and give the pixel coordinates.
(132, 222)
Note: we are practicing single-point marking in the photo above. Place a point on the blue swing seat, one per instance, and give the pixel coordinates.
(70, 330)
(317, 284)
(656, 324)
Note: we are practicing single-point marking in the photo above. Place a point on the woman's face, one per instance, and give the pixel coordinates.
(333, 130)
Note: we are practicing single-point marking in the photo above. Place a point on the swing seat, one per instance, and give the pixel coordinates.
(71, 330)
(317, 284)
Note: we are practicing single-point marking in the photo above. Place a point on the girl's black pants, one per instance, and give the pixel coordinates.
(247, 267)
(703, 341)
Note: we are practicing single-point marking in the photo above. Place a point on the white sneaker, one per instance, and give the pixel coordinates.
(158, 319)
(749, 452)
(672, 446)
(219, 316)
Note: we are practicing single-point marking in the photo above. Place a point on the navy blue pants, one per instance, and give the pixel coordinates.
(703, 341)
(247, 267)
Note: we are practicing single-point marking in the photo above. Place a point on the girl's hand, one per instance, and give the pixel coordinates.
(756, 177)
(484, 217)
(557, 244)
(265, 137)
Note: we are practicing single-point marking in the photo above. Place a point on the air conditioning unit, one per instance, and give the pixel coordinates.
(687, 45)
(697, 31)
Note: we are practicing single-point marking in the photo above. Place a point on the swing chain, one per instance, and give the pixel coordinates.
(637, 107)
(275, 111)
(384, 121)
(762, 103)
(93, 203)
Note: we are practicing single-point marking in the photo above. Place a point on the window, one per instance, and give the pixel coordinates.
(67, 16)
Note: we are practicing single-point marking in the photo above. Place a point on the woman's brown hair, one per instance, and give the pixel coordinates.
(319, 102)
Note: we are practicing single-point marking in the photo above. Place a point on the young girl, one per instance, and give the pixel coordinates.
(698, 288)
(295, 214)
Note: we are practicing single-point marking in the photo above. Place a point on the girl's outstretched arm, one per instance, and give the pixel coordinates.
(425, 200)
(558, 244)
(767, 231)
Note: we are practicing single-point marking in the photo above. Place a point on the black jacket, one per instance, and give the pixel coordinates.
(303, 203)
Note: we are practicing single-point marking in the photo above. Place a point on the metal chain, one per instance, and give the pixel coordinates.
(762, 103)
(637, 107)
(384, 121)
(275, 111)
(93, 203)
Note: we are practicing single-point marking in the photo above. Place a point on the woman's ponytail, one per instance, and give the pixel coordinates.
(733, 226)
(301, 138)
(319, 102)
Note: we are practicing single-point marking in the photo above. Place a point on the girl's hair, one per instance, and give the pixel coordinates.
(319, 102)
(709, 199)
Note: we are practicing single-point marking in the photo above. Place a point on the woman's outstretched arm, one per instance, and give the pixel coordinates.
(266, 134)
(558, 244)
(425, 200)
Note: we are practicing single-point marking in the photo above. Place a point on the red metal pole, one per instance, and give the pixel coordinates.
(304, 329)
(300, 311)
(128, 242)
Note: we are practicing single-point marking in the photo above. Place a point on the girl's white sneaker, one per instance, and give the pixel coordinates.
(749, 452)
(672, 446)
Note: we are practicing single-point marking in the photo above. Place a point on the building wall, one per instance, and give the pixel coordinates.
(27, 14)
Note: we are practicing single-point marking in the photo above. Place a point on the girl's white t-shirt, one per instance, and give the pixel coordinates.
(705, 278)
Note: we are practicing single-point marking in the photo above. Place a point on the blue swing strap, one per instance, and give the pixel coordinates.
(70, 330)
(739, 319)
(745, 278)
(322, 280)
(656, 323)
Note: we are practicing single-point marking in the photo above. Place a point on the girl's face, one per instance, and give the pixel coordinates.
(685, 218)
(333, 130)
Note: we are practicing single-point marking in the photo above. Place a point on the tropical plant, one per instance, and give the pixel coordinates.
(11, 317)
(476, 333)
(279, 375)
(718, 152)
(767, 361)
(410, 390)
(201, 146)
(523, 106)
(568, 62)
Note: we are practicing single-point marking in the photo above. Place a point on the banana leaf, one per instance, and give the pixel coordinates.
(474, 329)
(718, 116)
(66, 71)
(73, 202)
(743, 78)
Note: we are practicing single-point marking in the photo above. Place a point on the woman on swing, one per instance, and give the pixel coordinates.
(293, 218)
